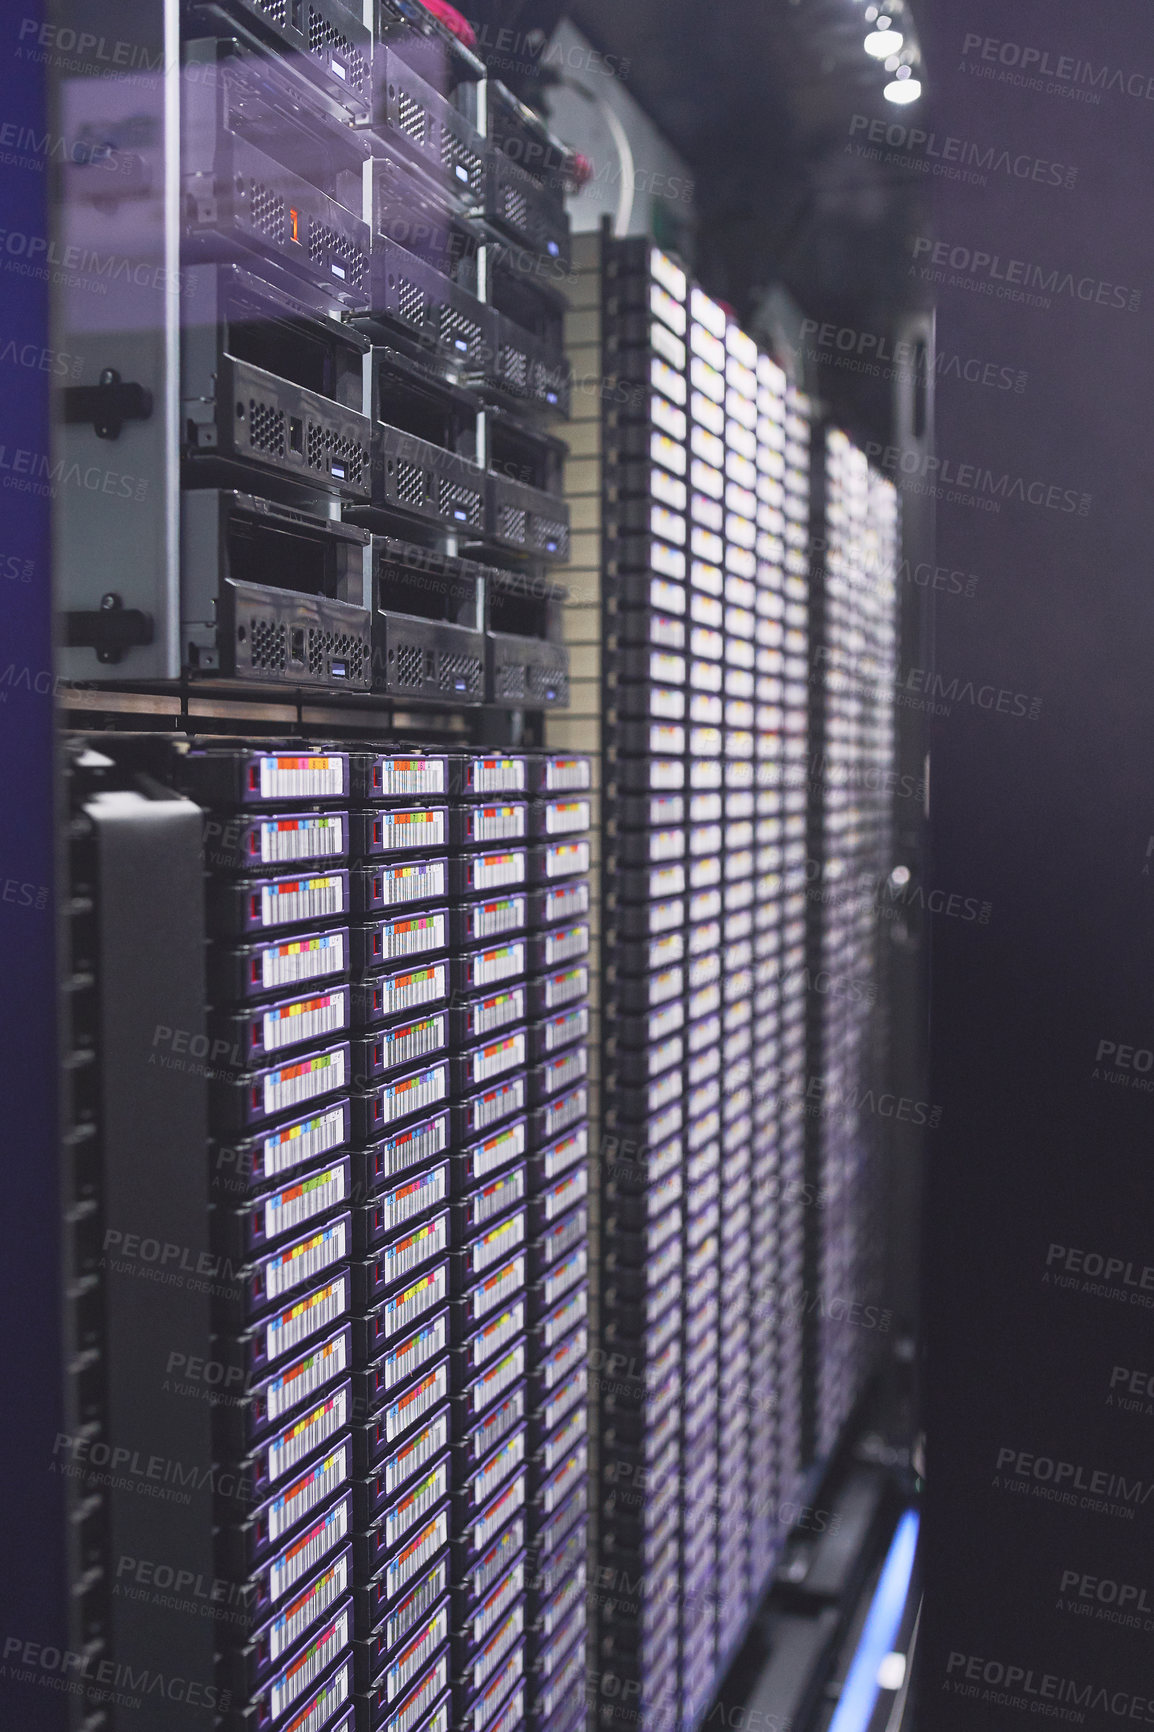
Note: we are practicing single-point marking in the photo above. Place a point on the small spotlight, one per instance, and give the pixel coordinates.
(902, 88)
(881, 43)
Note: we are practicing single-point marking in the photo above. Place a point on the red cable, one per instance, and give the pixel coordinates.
(452, 20)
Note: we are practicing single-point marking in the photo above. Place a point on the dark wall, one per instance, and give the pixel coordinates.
(1039, 1532)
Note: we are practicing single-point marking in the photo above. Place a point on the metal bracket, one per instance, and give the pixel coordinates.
(108, 405)
(111, 631)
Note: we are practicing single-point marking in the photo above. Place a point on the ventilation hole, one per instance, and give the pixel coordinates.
(411, 117)
(266, 211)
(551, 537)
(512, 523)
(515, 369)
(410, 302)
(549, 685)
(266, 428)
(514, 207)
(410, 665)
(459, 333)
(269, 646)
(510, 680)
(462, 504)
(276, 10)
(459, 673)
(410, 484)
(327, 248)
(323, 36)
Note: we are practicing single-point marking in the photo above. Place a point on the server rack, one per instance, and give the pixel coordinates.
(708, 1239)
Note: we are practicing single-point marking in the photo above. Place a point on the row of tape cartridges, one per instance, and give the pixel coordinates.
(374, 246)
(398, 973)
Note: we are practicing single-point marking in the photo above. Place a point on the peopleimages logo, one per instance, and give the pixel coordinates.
(1020, 277)
(1040, 63)
(1011, 1686)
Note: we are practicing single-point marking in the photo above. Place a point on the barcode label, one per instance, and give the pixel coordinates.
(563, 988)
(408, 1356)
(562, 817)
(499, 1011)
(493, 1427)
(494, 1060)
(416, 1603)
(419, 882)
(566, 1315)
(324, 1704)
(496, 823)
(296, 899)
(560, 1030)
(308, 1666)
(416, 1504)
(567, 1192)
(498, 1513)
(568, 942)
(498, 1558)
(404, 1201)
(571, 1393)
(420, 1549)
(300, 1262)
(570, 1068)
(283, 840)
(302, 959)
(558, 1241)
(557, 1488)
(563, 859)
(499, 1466)
(299, 1558)
(302, 1141)
(301, 778)
(498, 1646)
(416, 1454)
(507, 1145)
(416, 1247)
(421, 828)
(567, 1152)
(301, 1380)
(493, 1199)
(307, 1434)
(399, 1311)
(565, 900)
(399, 992)
(406, 1148)
(494, 1608)
(558, 1609)
(492, 871)
(486, 966)
(401, 776)
(432, 1389)
(486, 1704)
(497, 775)
(312, 1604)
(498, 1287)
(304, 1019)
(410, 1660)
(562, 1362)
(311, 1489)
(497, 1242)
(409, 1094)
(566, 1111)
(309, 1315)
(486, 1109)
(497, 1379)
(417, 1702)
(291, 1084)
(487, 919)
(497, 1334)
(561, 774)
(560, 1279)
(412, 1040)
(412, 937)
